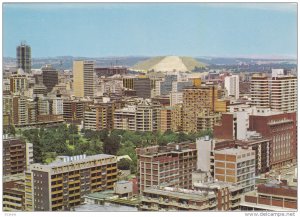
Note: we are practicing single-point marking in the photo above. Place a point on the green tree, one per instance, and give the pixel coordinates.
(73, 129)
(111, 145)
(124, 164)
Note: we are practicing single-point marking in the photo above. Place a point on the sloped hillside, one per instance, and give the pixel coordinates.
(169, 64)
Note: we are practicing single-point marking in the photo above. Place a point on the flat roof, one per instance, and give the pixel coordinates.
(266, 207)
(101, 195)
(233, 151)
(180, 193)
(104, 208)
(217, 184)
(59, 163)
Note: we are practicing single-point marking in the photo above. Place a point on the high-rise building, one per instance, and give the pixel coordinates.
(61, 184)
(165, 121)
(199, 105)
(18, 82)
(259, 89)
(13, 193)
(232, 86)
(143, 117)
(142, 86)
(284, 93)
(14, 156)
(73, 110)
(20, 114)
(100, 116)
(278, 92)
(24, 57)
(170, 165)
(83, 77)
(125, 118)
(50, 77)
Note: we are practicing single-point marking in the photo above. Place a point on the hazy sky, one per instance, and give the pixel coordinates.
(112, 29)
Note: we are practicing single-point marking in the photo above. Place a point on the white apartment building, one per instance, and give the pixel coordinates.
(232, 86)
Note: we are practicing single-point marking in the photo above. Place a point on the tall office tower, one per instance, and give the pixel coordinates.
(170, 165)
(50, 77)
(24, 57)
(61, 184)
(142, 86)
(83, 77)
(235, 166)
(20, 114)
(232, 86)
(284, 93)
(259, 89)
(164, 87)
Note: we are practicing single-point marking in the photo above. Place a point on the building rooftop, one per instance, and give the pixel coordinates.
(15, 177)
(233, 151)
(104, 208)
(101, 195)
(180, 193)
(68, 160)
(218, 185)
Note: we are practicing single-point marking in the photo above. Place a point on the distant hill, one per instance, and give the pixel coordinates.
(169, 63)
(66, 62)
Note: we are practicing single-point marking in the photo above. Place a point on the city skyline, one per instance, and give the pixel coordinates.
(113, 29)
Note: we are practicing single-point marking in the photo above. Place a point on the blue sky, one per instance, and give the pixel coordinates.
(151, 29)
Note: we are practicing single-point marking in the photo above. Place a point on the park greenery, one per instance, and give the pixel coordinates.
(48, 143)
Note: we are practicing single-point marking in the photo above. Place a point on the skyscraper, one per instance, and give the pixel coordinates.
(50, 77)
(259, 88)
(83, 75)
(232, 86)
(24, 57)
(278, 92)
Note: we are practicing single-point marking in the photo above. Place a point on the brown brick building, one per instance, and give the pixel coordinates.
(171, 165)
(14, 156)
(273, 197)
(282, 130)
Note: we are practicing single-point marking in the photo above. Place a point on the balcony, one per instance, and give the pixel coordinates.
(57, 191)
(57, 205)
(74, 188)
(57, 198)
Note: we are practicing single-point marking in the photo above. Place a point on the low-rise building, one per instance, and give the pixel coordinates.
(177, 199)
(273, 196)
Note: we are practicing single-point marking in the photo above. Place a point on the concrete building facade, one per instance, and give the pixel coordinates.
(61, 185)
